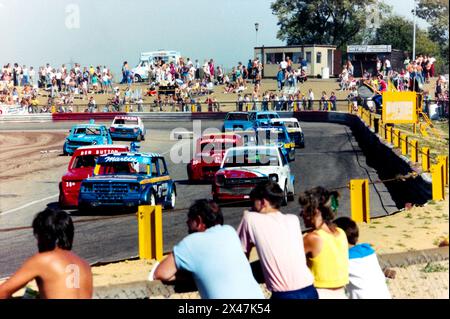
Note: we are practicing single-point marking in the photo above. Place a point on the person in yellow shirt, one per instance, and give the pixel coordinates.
(326, 246)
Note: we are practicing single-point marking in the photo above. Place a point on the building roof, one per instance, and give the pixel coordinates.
(297, 46)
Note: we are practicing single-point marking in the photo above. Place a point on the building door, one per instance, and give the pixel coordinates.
(330, 61)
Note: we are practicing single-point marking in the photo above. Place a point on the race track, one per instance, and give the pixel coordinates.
(330, 159)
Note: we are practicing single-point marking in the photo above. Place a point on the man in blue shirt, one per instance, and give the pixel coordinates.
(212, 252)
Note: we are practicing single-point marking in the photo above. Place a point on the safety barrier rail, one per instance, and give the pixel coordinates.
(409, 148)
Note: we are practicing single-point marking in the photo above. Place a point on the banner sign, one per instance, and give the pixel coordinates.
(13, 109)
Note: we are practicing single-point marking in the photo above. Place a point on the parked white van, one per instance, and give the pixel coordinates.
(147, 58)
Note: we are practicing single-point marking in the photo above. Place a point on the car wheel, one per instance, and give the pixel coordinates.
(291, 196)
(285, 195)
(139, 138)
(137, 78)
(172, 200)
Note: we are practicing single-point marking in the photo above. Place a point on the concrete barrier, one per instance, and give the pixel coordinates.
(158, 290)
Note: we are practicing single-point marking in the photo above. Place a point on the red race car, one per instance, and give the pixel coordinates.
(81, 166)
(209, 153)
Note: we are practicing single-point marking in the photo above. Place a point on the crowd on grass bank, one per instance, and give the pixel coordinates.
(187, 85)
(327, 262)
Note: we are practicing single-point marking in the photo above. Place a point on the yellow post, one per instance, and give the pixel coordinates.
(425, 159)
(150, 232)
(127, 108)
(53, 109)
(444, 160)
(389, 134)
(437, 175)
(295, 106)
(404, 143)
(192, 108)
(396, 137)
(414, 128)
(414, 151)
(359, 200)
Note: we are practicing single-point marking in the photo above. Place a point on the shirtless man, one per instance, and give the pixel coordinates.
(59, 273)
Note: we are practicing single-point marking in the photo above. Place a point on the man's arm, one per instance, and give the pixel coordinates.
(27, 272)
(167, 269)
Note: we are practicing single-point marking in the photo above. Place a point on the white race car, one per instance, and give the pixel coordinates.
(294, 130)
(127, 127)
(244, 167)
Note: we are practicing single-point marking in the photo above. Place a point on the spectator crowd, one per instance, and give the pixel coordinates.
(327, 262)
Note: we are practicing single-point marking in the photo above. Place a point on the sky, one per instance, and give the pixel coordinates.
(108, 32)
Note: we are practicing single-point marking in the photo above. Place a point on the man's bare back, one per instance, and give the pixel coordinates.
(59, 274)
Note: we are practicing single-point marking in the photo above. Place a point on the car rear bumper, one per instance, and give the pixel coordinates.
(119, 135)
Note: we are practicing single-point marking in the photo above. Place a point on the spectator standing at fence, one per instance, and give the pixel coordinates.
(310, 100)
(92, 105)
(278, 240)
(326, 246)
(324, 101)
(280, 79)
(212, 254)
(59, 273)
(333, 101)
(366, 278)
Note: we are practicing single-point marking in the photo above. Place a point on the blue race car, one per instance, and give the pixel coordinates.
(86, 134)
(262, 118)
(237, 121)
(276, 136)
(127, 180)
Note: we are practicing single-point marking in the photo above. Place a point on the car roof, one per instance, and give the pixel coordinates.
(254, 147)
(88, 125)
(90, 147)
(126, 117)
(133, 154)
(238, 112)
(289, 119)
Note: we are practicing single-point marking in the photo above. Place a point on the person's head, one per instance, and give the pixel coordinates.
(266, 197)
(319, 206)
(53, 228)
(349, 227)
(203, 214)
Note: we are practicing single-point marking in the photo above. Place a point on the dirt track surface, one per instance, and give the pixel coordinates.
(23, 153)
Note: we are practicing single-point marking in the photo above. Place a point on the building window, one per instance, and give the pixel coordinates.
(308, 57)
(274, 58)
(297, 57)
(319, 57)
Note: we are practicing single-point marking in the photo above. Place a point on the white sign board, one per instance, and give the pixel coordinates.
(369, 48)
(13, 109)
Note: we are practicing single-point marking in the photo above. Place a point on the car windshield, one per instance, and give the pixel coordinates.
(291, 124)
(126, 121)
(270, 137)
(237, 117)
(87, 130)
(251, 157)
(215, 147)
(135, 167)
(84, 161)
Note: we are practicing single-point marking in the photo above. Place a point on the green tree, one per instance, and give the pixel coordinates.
(435, 12)
(333, 22)
(398, 32)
